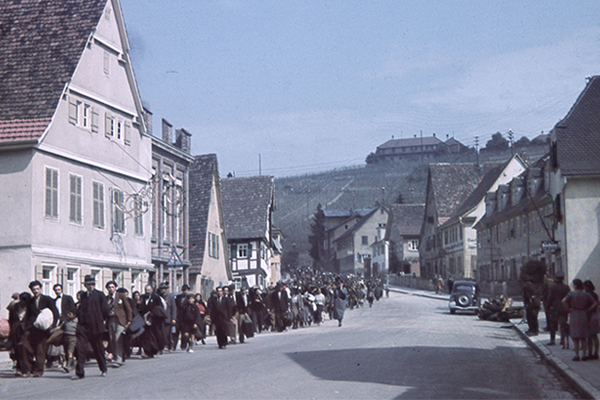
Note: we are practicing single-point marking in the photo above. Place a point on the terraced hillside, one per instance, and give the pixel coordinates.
(364, 186)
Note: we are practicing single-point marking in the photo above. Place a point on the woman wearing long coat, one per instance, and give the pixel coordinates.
(339, 302)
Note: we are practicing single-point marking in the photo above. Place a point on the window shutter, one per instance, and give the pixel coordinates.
(73, 198)
(127, 137)
(95, 120)
(108, 125)
(72, 111)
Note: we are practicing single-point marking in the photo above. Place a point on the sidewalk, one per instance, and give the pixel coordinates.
(583, 375)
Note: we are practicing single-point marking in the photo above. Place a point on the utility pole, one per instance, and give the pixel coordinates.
(477, 148)
(259, 164)
(421, 146)
(511, 140)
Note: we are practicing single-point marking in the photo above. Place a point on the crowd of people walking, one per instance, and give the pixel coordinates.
(111, 326)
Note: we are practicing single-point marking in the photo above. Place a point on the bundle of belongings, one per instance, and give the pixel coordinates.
(499, 309)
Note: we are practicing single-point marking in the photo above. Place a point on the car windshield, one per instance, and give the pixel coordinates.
(463, 288)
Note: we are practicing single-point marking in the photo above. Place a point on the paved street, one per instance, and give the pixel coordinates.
(403, 347)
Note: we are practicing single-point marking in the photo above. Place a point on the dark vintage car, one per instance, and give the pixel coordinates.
(464, 297)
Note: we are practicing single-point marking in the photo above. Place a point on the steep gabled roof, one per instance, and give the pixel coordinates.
(405, 220)
(452, 185)
(578, 134)
(358, 225)
(41, 42)
(203, 172)
(247, 203)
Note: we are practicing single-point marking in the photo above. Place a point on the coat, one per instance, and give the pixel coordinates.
(67, 305)
(339, 303)
(33, 311)
(93, 311)
(123, 309)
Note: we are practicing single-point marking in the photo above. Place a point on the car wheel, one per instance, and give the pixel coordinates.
(452, 311)
(463, 300)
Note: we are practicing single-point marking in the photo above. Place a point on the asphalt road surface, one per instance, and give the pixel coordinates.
(403, 347)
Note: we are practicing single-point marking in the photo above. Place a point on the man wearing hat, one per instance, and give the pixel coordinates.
(555, 292)
(92, 314)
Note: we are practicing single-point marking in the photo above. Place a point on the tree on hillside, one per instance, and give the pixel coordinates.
(400, 198)
(371, 159)
(316, 238)
(497, 142)
(523, 142)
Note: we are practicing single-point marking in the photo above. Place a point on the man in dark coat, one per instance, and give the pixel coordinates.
(280, 305)
(64, 303)
(91, 319)
(154, 313)
(219, 315)
(36, 340)
(242, 300)
(555, 310)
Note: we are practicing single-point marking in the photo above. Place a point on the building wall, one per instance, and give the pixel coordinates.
(57, 249)
(215, 269)
(582, 225)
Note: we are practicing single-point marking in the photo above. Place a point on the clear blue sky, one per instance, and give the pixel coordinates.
(316, 85)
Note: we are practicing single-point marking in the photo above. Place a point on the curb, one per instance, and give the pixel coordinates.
(580, 384)
(430, 296)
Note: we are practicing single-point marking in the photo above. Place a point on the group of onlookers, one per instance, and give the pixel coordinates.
(572, 313)
(108, 327)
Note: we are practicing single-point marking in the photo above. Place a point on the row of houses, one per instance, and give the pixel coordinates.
(86, 186)
(485, 221)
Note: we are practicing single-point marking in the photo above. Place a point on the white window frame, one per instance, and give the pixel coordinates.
(242, 250)
(72, 280)
(48, 278)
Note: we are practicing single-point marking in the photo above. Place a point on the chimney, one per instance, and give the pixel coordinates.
(167, 131)
(434, 135)
(183, 140)
(148, 121)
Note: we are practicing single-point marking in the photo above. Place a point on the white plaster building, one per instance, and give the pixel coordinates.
(75, 159)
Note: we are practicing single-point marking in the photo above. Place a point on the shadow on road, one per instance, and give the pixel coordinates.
(424, 372)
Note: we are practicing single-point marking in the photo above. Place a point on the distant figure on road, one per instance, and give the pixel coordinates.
(339, 302)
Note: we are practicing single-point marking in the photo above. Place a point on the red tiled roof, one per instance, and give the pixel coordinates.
(20, 130)
(41, 42)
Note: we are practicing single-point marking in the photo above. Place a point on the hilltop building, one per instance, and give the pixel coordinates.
(416, 148)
